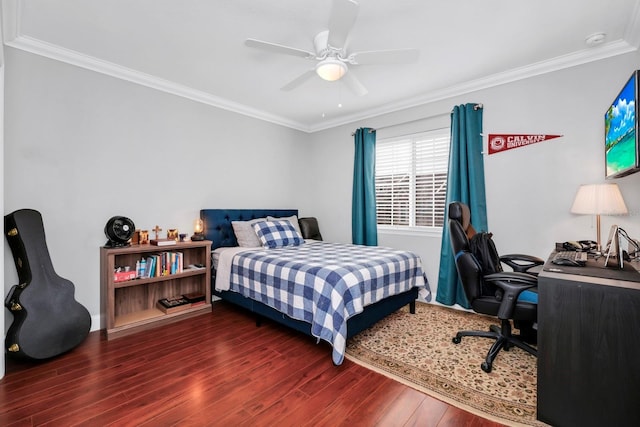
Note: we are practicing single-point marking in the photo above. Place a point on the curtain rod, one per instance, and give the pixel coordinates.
(405, 123)
(475, 107)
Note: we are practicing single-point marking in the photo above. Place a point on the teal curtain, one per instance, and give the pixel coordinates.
(363, 214)
(465, 183)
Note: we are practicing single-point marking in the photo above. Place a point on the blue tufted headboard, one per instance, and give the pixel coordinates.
(217, 222)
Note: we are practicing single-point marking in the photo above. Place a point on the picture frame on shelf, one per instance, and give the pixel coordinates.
(172, 234)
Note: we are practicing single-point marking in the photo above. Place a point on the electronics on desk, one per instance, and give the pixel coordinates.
(614, 252)
(574, 253)
(580, 245)
(633, 246)
(612, 248)
(570, 258)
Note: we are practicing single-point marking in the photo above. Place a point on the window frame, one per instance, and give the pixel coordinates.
(414, 139)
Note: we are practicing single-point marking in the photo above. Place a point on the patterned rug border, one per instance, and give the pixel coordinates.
(458, 395)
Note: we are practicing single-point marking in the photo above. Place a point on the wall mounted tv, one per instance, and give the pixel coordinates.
(621, 132)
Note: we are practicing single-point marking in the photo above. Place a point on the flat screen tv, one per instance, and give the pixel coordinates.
(621, 132)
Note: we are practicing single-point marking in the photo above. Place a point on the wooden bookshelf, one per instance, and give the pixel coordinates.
(130, 306)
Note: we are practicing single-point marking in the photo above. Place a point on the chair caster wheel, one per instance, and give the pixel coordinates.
(456, 340)
(486, 367)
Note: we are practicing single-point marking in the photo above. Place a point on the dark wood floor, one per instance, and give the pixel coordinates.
(215, 369)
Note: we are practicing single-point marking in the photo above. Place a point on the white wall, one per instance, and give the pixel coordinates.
(529, 190)
(81, 147)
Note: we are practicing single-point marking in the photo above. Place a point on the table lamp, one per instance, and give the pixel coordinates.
(599, 199)
(198, 227)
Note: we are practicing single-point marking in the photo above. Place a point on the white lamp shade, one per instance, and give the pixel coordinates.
(599, 199)
(331, 69)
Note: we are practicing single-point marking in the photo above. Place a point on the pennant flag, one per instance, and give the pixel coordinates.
(503, 142)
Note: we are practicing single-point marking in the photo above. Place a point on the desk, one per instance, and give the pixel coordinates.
(589, 345)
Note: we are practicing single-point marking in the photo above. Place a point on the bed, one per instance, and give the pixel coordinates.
(303, 286)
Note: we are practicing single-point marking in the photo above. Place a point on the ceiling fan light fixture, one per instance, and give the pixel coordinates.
(331, 69)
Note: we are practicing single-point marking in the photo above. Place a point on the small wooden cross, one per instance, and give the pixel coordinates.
(156, 230)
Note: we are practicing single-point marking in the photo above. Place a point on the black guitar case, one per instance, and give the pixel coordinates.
(47, 320)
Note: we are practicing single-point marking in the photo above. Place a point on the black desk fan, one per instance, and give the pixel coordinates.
(119, 230)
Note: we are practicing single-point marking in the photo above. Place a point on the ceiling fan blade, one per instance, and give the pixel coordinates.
(395, 56)
(354, 84)
(278, 48)
(299, 80)
(343, 16)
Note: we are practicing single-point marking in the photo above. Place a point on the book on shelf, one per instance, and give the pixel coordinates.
(162, 242)
(176, 262)
(164, 264)
(150, 267)
(173, 304)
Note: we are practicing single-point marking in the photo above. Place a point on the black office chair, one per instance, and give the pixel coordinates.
(504, 302)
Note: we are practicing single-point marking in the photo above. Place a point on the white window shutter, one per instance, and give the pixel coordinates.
(411, 179)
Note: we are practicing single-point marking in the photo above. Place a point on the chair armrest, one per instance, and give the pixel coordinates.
(520, 262)
(512, 284)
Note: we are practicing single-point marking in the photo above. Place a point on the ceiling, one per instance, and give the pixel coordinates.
(195, 48)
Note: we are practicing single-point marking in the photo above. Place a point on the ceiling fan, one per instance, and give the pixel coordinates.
(331, 54)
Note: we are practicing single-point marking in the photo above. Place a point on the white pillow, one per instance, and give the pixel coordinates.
(293, 219)
(245, 234)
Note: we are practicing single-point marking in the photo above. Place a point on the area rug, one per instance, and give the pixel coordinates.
(417, 350)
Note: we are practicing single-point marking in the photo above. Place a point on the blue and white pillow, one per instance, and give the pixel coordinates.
(277, 234)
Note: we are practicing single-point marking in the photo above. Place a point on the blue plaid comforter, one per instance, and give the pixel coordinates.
(325, 283)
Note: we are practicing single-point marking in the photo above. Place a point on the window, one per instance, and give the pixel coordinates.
(411, 179)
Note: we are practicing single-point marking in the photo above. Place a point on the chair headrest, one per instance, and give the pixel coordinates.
(309, 228)
(461, 213)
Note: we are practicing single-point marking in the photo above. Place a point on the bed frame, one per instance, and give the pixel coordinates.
(218, 229)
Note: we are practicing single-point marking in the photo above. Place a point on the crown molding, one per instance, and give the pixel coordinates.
(555, 64)
(11, 12)
(71, 57)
